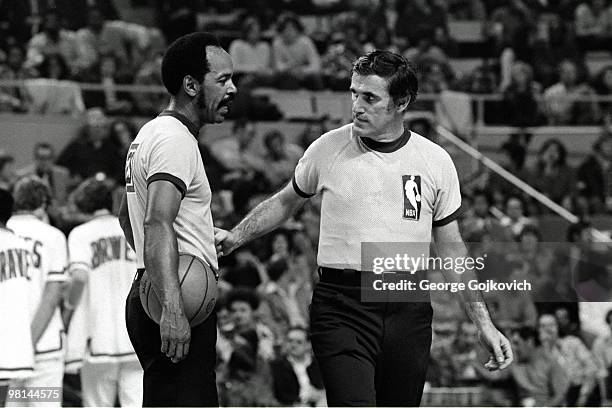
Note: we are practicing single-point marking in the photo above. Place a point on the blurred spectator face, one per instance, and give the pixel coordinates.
(552, 154)
(7, 171)
(245, 134)
(514, 208)
(563, 318)
(108, 66)
(280, 246)
(52, 24)
(242, 313)
(521, 73)
(123, 133)
(568, 73)
(253, 33)
(523, 349)
(276, 145)
(15, 58)
(290, 33)
(43, 159)
(467, 334)
(297, 343)
(548, 328)
(529, 241)
(97, 125)
(95, 19)
(481, 206)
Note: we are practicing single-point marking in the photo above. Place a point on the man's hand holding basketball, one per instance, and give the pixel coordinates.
(175, 332)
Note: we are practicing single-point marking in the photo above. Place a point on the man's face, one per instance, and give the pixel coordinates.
(568, 73)
(297, 343)
(218, 90)
(548, 327)
(514, 208)
(7, 173)
(481, 206)
(242, 313)
(43, 159)
(374, 111)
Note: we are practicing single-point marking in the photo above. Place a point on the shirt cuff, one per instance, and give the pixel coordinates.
(298, 190)
(180, 185)
(448, 219)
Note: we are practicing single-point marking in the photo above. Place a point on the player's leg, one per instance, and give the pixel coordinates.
(343, 336)
(130, 384)
(99, 384)
(402, 364)
(192, 382)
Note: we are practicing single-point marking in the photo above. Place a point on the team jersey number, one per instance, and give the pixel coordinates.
(129, 182)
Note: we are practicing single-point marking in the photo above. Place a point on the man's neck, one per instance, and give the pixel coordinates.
(39, 213)
(187, 110)
(101, 212)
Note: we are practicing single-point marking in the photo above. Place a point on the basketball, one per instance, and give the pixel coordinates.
(198, 288)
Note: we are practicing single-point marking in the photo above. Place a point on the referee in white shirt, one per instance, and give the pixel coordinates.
(379, 182)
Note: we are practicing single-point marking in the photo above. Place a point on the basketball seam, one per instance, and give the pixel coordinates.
(203, 299)
(186, 271)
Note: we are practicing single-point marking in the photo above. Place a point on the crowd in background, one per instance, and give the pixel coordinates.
(533, 55)
(533, 52)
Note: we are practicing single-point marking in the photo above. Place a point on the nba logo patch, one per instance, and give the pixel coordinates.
(411, 187)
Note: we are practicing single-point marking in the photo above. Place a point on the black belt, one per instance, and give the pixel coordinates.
(139, 273)
(353, 277)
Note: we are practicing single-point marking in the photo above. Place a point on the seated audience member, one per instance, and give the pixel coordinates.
(232, 149)
(56, 177)
(247, 271)
(91, 152)
(296, 59)
(559, 101)
(603, 87)
(243, 304)
(380, 38)
(520, 104)
(463, 354)
(113, 102)
(7, 171)
(593, 173)
(515, 218)
(251, 55)
(336, 63)
(295, 374)
(551, 174)
(53, 39)
(149, 73)
(602, 351)
(593, 24)
(15, 97)
(575, 359)
(53, 92)
(245, 379)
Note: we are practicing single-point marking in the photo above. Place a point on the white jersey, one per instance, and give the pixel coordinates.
(50, 258)
(99, 247)
(166, 148)
(16, 351)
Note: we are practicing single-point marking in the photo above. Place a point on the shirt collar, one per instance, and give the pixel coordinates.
(387, 147)
(193, 129)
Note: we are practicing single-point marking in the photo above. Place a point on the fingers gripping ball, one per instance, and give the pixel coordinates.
(198, 288)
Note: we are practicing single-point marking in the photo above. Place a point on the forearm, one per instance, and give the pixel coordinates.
(46, 308)
(264, 218)
(475, 306)
(161, 263)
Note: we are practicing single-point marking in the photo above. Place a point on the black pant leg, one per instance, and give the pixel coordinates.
(192, 382)
(402, 363)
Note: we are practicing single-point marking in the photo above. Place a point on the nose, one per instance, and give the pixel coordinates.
(232, 88)
(358, 108)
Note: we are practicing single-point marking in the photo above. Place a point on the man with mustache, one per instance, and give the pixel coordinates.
(166, 211)
(374, 351)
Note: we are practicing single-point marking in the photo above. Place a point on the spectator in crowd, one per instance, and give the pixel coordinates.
(251, 55)
(91, 151)
(575, 359)
(101, 37)
(567, 326)
(122, 134)
(53, 39)
(483, 220)
(603, 87)
(56, 177)
(279, 159)
(419, 17)
(463, 354)
(15, 97)
(295, 374)
(296, 59)
(515, 218)
(520, 104)
(560, 100)
(109, 99)
(245, 379)
(602, 351)
(540, 380)
(551, 175)
(242, 304)
(7, 171)
(380, 38)
(247, 271)
(149, 73)
(594, 174)
(593, 22)
(509, 26)
(231, 149)
(336, 63)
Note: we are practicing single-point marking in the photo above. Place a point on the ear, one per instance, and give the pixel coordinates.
(190, 86)
(403, 104)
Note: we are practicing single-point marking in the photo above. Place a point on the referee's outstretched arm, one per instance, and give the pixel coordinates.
(267, 216)
(450, 245)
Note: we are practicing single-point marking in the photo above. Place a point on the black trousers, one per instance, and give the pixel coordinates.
(192, 382)
(370, 354)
